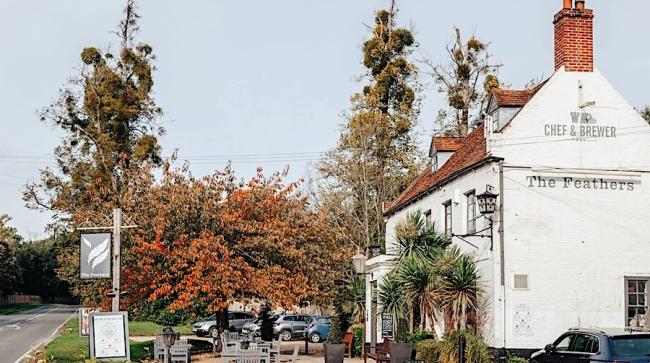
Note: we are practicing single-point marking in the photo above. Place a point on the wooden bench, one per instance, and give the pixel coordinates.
(378, 354)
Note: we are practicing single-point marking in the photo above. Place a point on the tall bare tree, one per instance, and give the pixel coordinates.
(376, 156)
(466, 78)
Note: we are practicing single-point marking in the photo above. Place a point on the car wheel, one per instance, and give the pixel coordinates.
(285, 335)
(315, 338)
(214, 332)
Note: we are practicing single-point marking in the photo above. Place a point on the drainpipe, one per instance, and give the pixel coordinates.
(502, 260)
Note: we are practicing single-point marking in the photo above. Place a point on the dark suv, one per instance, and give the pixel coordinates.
(592, 345)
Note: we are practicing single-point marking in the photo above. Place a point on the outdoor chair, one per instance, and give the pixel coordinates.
(248, 356)
(400, 352)
(348, 338)
(180, 353)
(334, 353)
(158, 348)
(229, 348)
(294, 355)
(276, 348)
(378, 354)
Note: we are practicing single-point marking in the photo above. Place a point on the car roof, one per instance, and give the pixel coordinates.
(610, 331)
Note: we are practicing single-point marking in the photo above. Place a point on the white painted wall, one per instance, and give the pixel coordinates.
(576, 245)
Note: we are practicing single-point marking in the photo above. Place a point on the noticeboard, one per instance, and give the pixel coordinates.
(109, 336)
(387, 326)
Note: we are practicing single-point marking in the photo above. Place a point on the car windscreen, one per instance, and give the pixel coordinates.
(631, 345)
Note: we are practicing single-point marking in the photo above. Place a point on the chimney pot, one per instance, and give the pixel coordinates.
(568, 4)
(574, 38)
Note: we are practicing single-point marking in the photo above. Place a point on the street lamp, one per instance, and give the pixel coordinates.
(169, 338)
(487, 202)
(359, 262)
(487, 205)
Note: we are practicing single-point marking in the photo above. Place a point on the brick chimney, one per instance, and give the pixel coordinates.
(574, 37)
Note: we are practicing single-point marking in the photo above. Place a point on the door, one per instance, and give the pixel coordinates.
(300, 325)
(560, 348)
(582, 348)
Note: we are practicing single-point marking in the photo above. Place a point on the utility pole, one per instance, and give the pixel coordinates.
(117, 229)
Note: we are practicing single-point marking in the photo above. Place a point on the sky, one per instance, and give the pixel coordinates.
(264, 83)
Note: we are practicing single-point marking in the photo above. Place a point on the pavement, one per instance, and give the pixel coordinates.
(22, 331)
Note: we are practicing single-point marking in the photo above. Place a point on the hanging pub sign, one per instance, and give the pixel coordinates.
(109, 336)
(94, 256)
(84, 313)
(387, 326)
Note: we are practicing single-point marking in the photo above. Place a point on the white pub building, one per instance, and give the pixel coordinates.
(569, 162)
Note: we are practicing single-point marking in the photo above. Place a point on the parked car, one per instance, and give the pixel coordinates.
(318, 328)
(289, 326)
(236, 320)
(591, 345)
(254, 327)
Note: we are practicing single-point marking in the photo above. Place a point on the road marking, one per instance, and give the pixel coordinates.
(48, 339)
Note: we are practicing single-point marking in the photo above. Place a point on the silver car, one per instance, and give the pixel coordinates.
(287, 327)
(236, 320)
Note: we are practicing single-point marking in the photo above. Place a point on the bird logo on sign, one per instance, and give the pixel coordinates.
(98, 254)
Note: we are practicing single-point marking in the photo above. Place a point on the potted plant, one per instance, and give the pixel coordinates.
(334, 350)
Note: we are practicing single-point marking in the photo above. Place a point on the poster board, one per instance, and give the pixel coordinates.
(387, 326)
(84, 313)
(94, 256)
(109, 336)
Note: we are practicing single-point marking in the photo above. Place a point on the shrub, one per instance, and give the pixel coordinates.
(357, 342)
(418, 336)
(516, 359)
(476, 351)
(336, 333)
(427, 350)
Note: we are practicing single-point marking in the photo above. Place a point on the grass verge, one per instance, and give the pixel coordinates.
(68, 347)
(16, 308)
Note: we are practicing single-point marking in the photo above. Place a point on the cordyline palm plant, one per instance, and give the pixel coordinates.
(459, 288)
(419, 240)
(392, 299)
(430, 276)
(418, 281)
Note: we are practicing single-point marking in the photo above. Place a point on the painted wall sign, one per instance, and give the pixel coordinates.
(522, 320)
(387, 325)
(596, 184)
(94, 256)
(84, 314)
(109, 336)
(584, 126)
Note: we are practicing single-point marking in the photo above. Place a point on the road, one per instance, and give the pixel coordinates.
(21, 331)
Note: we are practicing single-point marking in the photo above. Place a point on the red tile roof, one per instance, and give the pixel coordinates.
(515, 98)
(442, 143)
(471, 151)
(512, 98)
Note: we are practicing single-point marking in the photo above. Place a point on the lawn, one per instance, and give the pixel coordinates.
(16, 308)
(70, 348)
(147, 328)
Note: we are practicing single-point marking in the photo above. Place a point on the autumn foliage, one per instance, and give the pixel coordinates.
(214, 241)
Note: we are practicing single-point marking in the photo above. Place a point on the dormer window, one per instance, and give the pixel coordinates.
(441, 150)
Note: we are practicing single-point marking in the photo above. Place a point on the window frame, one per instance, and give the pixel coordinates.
(448, 217)
(428, 221)
(637, 279)
(470, 196)
(572, 348)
